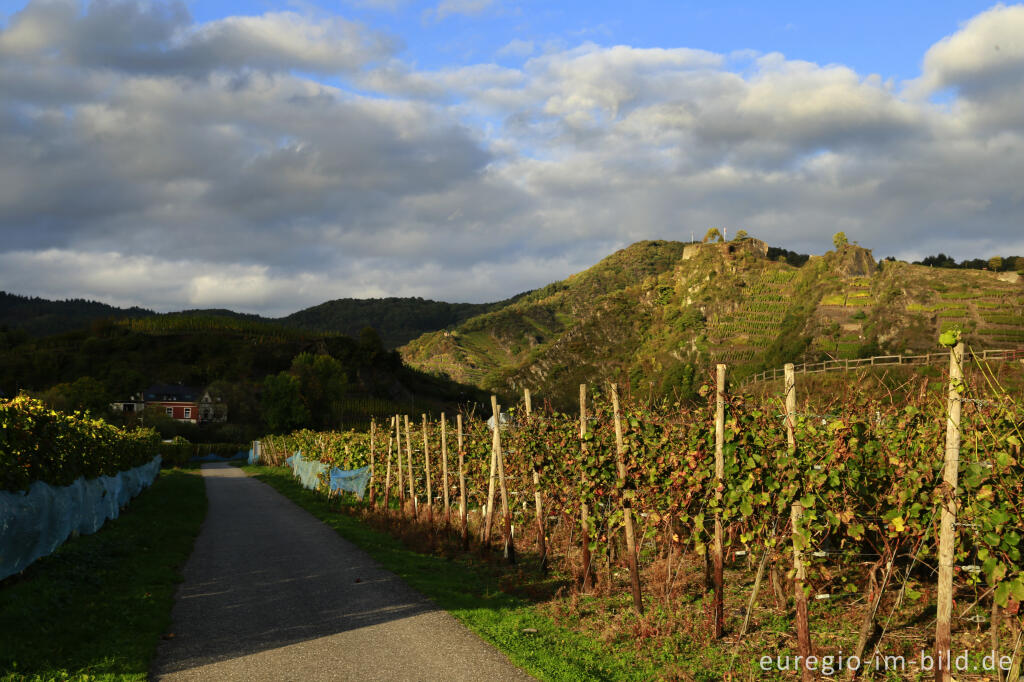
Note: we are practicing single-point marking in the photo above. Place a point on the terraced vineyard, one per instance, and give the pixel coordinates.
(657, 315)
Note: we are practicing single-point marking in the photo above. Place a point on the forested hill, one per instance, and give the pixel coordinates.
(396, 320)
(42, 317)
(268, 375)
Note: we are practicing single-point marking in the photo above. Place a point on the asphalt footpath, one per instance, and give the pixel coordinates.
(271, 593)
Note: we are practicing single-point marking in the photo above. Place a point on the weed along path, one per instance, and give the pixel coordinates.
(271, 593)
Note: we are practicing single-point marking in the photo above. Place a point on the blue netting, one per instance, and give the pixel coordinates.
(254, 453)
(353, 481)
(309, 473)
(35, 522)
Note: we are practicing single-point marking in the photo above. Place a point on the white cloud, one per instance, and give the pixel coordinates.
(986, 50)
(516, 48)
(151, 160)
(139, 37)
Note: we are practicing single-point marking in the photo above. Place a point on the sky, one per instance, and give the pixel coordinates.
(268, 156)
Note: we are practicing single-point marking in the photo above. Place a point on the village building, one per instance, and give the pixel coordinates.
(177, 401)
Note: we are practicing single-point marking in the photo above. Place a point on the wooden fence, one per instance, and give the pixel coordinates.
(883, 360)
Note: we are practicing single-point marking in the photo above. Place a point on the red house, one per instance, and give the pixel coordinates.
(177, 401)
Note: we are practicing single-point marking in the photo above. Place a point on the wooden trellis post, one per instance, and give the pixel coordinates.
(627, 504)
(444, 470)
(387, 477)
(718, 569)
(509, 545)
(537, 502)
(463, 506)
(373, 429)
(398, 453)
(494, 473)
(947, 529)
(790, 406)
(426, 468)
(408, 460)
(588, 576)
(803, 632)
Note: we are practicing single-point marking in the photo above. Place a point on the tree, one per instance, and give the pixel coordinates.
(740, 236)
(995, 263)
(840, 240)
(241, 399)
(1018, 264)
(713, 233)
(370, 345)
(939, 261)
(84, 394)
(283, 409)
(322, 384)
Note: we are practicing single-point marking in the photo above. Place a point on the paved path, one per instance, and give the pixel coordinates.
(271, 593)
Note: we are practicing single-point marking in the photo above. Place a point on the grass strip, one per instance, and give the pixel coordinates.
(471, 593)
(95, 608)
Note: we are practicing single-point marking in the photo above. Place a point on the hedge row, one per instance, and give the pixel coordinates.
(179, 452)
(40, 444)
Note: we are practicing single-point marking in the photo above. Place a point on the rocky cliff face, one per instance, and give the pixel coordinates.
(851, 260)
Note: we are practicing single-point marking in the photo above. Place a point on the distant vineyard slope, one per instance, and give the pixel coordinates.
(657, 315)
(397, 320)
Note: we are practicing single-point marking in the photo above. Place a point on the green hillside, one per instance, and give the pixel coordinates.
(42, 317)
(658, 315)
(231, 355)
(396, 320)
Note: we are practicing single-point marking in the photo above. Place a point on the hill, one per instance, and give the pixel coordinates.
(42, 317)
(658, 315)
(396, 320)
(111, 360)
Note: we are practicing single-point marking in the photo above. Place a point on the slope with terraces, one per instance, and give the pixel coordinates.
(657, 316)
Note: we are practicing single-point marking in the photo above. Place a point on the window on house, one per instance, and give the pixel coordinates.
(188, 413)
(169, 411)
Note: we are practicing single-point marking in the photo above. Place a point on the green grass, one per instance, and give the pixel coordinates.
(472, 594)
(96, 608)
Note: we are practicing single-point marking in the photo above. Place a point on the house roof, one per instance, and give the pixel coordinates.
(171, 393)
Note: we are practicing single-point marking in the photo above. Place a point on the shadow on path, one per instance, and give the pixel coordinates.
(270, 592)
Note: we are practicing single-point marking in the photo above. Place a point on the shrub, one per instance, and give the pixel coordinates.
(40, 444)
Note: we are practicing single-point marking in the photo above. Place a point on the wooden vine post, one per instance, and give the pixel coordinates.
(718, 605)
(510, 550)
(537, 502)
(373, 429)
(803, 633)
(426, 468)
(414, 503)
(947, 530)
(444, 470)
(463, 506)
(398, 453)
(790, 406)
(489, 512)
(588, 576)
(387, 477)
(627, 504)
